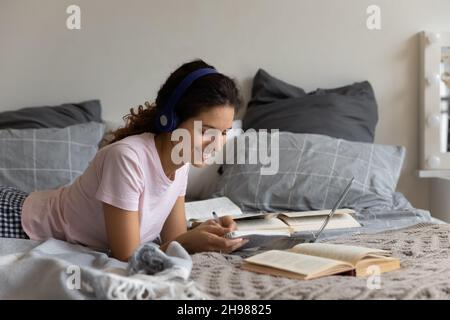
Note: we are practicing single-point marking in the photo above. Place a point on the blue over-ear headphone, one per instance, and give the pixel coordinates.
(166, 118)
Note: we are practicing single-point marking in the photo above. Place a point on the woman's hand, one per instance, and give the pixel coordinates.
(225, 221)
(209, 236)
(228, 222)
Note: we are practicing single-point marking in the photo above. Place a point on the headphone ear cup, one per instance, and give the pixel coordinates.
(171, 125)
(166, 121)
(161, 121)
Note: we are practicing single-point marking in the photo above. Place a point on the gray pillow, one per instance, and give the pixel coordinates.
(268, 89)
(52, 117)
(313, 171)
(348, 112)
(40, 159)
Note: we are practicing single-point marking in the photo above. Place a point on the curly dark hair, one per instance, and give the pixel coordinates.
(208, 91)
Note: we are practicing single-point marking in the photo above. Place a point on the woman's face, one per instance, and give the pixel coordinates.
(207, 132)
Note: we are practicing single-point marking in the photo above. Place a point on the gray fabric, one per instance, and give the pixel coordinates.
(423, 250)
(150, 259)
(40, 159)
(52, 117)
(49, 270)
(349, 112)
(313, 172)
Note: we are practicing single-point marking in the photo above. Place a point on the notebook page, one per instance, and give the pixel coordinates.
(351, 254)
(202, 210)
(293, 262)
(259, 224)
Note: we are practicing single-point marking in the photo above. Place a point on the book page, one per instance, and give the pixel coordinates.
(293, 262)
(312, 223)
(350, 254)
(202, 210)
(261, 224)
(298, 214)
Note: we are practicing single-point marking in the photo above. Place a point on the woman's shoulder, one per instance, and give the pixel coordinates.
(119, 152)
(134, 143)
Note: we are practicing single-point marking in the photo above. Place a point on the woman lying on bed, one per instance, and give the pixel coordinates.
(133, 191)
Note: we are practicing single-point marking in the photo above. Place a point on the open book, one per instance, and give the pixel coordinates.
(314, 260)
(280, 223)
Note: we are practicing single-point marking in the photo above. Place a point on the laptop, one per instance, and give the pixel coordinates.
(333, 210)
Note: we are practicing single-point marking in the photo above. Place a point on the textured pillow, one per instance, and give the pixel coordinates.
(348, 112)
(52, 117)
(313, 171)
(40, 159)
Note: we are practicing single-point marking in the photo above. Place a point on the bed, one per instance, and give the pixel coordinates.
(424, 250)
(41, 270)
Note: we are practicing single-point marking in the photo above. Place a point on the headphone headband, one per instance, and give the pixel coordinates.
(166, 119)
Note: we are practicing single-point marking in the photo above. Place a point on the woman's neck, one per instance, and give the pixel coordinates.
(164, 146)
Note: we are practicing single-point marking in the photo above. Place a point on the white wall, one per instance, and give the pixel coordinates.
(126, 49)
(440, 199)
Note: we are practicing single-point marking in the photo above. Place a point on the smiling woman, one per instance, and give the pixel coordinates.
(133, 190)
(201, 138)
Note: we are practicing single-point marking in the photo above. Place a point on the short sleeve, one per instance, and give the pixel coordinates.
(121, 178)
(185, 181)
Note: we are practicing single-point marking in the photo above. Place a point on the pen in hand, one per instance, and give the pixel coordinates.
(229, 235)
(216, 217)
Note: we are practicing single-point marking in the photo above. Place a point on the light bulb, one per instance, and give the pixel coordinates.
(433, 79)
(434, 161)
(433, 37)
(433, 120)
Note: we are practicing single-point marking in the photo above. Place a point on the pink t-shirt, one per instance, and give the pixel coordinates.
(127, 174)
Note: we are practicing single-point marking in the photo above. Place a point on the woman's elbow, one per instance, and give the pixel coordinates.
(122, 256)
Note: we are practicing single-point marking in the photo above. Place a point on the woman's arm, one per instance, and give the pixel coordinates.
(122, 230)
(175, 224)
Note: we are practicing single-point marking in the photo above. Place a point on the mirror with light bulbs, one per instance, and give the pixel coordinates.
(445, 98)
(435, 101)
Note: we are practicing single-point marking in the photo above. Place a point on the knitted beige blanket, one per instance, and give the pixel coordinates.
(424, 250)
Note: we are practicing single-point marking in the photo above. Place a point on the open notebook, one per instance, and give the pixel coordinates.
(280, 223)
(314, 260)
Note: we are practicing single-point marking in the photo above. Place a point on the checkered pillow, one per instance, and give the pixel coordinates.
(313, 171)
(41, 159)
